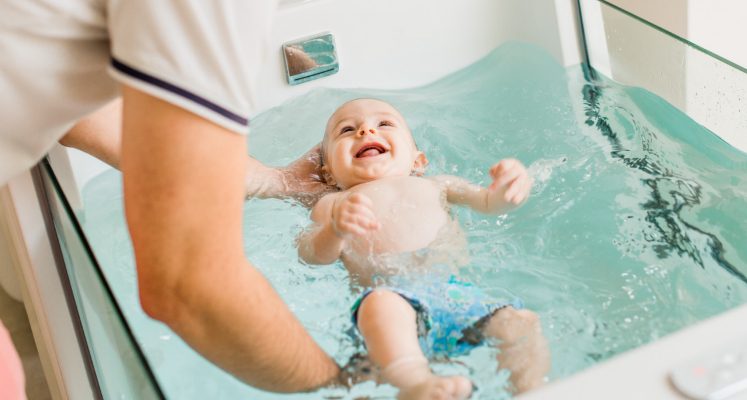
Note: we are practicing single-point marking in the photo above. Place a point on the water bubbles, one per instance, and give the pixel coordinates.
(501, 220)
(629, 291)
(655, 270)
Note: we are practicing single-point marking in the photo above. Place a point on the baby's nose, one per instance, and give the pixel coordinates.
(364, 131)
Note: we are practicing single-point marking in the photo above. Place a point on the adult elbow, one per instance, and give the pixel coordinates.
(159, 298)
(157, 305)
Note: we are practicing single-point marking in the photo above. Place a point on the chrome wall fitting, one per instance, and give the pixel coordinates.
(310, 58)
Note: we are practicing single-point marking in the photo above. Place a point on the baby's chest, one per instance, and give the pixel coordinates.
(410, 214)
(409, 200)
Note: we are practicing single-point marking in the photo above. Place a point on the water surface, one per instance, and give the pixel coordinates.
(635, 227)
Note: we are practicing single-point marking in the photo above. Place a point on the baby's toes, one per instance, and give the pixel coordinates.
(461, 387)
(439, 388)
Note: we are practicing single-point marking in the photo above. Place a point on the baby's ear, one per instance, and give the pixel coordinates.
(421, 161)
(327, 176)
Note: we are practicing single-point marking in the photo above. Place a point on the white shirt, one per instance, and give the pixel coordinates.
(61, 59)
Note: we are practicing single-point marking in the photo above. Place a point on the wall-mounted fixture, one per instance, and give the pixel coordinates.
(310, 58)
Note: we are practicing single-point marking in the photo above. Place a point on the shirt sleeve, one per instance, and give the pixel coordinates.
(200, 55)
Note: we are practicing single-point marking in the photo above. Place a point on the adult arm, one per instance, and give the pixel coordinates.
(99, 133)
(300, 180)
(184, 191)
(510, 187)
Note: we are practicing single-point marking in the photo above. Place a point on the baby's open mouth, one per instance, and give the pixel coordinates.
(370, 150)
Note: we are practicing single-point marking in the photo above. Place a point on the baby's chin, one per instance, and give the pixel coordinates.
(375, 177)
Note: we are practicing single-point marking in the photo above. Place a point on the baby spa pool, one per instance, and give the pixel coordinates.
(634, 228)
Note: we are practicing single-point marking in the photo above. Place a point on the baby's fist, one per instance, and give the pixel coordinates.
(353, 215)
(511, 181)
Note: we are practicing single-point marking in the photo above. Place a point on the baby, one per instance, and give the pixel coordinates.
(392, 229)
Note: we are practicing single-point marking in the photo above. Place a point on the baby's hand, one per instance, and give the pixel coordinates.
(352, 215)
(511, 182)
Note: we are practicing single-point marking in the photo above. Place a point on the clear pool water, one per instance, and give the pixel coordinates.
(636, 226)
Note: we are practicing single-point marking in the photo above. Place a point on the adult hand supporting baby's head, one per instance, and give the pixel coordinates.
(303, 180)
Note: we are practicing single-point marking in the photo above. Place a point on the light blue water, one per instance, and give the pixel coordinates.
(635, 228)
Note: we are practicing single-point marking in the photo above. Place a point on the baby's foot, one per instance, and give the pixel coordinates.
(438, 388)
(523, 347)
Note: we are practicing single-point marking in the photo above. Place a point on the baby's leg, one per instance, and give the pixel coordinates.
(523, 349)
(388, 325)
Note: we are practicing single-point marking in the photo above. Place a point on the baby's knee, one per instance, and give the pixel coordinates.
(382, 302)
(509, 324)
(509, 313)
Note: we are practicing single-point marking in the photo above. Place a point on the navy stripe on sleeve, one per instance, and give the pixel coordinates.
(142, 76)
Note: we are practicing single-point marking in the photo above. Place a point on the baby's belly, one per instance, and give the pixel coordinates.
(404, 233)
(445, 246)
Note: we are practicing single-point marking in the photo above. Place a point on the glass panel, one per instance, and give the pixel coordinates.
(120, 369)
(632, 50)
(716, 26)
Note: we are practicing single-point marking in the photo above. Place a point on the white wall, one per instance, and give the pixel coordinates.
(386, 44)
(397, 44)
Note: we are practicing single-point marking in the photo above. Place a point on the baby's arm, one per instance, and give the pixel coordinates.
(510, 187)
(336, 217)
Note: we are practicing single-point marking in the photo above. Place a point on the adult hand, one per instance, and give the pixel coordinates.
(303, 178)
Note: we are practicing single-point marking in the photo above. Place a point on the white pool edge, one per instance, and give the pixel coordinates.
(643, 373)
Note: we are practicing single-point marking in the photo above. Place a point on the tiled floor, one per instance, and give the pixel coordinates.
(13, 315)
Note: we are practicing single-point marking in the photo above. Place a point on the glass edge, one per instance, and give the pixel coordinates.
(673, 35)
(46, 170)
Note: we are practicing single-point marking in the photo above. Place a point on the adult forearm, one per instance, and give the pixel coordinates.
(240, 323)
(184, 206)
(99, 134)
(264, 182)
(298, 182)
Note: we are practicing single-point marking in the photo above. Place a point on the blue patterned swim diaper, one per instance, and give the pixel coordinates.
(450, 313)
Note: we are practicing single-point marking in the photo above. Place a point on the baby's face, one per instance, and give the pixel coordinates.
(365, 140)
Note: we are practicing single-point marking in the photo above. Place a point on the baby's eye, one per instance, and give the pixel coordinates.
(346, 129)
(386, 123)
